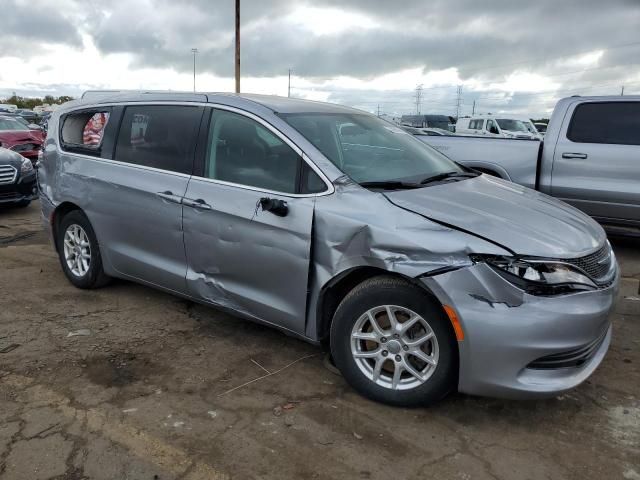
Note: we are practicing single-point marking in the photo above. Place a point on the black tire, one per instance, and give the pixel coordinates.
(23, 204)
(94, 276)
(385, 290)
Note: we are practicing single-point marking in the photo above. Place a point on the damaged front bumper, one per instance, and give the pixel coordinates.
(518, 345)
(23, 190)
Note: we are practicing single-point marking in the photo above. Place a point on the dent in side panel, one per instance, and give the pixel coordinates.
(356, 228)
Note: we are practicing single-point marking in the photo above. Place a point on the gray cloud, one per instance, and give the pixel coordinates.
(484, 41)
(28, 23)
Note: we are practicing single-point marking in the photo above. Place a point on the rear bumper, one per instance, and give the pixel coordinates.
(21, 191)
(522, 346)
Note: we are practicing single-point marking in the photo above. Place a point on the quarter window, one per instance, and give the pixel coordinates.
(83, 132)
(159, 136)
(602, 122)
(244, 152)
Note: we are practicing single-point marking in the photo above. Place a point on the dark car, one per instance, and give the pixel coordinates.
(15, 136)
(28, 115)
(17, 179)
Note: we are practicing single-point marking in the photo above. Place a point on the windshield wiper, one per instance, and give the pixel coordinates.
(390, 185)
(445, 175)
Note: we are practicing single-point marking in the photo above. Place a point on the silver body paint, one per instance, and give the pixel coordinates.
(275, 269)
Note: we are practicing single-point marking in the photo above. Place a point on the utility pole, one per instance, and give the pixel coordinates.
(289, 85)
(458, 101)
(418, 96)
(194, 51)
(622, 92)
(237, 46)
(473, 110)
(378, 110)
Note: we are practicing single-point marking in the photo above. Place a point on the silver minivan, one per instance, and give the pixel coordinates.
(420, 275)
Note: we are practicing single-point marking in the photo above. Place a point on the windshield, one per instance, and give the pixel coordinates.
(369, 149)
(511, 125)
(11, 124)
(530, 127)
(22, 121)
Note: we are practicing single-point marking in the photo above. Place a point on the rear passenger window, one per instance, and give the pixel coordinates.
(159, 136)
(244, 152)
(610, 123)
(82, 132)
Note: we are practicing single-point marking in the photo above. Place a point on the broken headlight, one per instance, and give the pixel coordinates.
(539, 277)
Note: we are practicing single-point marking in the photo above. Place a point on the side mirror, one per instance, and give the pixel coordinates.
(494, 130)
(276, 206)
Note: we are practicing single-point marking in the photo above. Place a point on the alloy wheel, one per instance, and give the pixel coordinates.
(394, 347)
(77, 250)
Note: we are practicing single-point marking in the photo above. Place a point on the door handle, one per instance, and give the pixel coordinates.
(581, 156)
(170, 197)
(198, 203)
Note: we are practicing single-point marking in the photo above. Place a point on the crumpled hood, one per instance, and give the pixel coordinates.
(14, 137)
(523, 220)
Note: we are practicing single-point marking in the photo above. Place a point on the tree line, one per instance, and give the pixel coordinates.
(31, 102)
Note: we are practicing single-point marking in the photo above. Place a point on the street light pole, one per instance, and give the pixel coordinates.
(194, 51)
(237, 46)
(289, 85)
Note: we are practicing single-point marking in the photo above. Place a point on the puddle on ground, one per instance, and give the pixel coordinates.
(118, 370)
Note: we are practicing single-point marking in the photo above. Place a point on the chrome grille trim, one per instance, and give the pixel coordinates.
(597, 264)
(8, 174)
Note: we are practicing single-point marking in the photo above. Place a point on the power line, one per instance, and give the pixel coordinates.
(555, 92)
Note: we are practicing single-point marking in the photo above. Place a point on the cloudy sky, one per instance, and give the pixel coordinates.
(507, 56)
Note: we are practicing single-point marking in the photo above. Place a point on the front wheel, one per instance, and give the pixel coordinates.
(394, 344)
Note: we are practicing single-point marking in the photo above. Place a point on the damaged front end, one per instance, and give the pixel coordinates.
(515, 311)
(509, 329)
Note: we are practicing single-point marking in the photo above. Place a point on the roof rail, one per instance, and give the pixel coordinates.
(105, 93)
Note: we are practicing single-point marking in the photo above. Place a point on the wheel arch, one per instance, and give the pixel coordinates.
(57, 215)
(334, 291)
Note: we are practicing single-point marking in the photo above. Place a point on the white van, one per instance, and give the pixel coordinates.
(504, 126)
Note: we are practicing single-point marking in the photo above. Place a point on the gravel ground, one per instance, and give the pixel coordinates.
(145, 388)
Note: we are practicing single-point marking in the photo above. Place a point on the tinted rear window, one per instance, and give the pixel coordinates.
(159, 136)
(611, 123)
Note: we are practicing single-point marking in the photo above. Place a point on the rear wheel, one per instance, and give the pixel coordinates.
(393, 343)
(79, 251)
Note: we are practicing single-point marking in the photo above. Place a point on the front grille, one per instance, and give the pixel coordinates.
(596, 264)
(8, 174)
(8, 195)
(571, 358)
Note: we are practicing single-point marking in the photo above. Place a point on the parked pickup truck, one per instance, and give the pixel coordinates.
(590, 158)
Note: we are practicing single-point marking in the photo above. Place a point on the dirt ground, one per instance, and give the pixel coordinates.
(146, 389)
